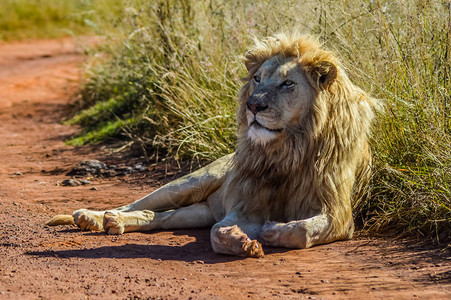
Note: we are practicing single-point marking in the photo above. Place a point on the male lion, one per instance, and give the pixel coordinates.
(302, 153)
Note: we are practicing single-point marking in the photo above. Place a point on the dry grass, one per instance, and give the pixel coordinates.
(171, 79)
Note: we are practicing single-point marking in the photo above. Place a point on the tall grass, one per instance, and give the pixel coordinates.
(21, 19)
(168, 77)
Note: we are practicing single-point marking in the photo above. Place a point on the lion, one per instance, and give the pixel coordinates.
(302, 155)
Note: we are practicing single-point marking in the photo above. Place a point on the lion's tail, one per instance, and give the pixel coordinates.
(61, 220)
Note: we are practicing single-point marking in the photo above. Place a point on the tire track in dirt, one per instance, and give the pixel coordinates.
(37, 79)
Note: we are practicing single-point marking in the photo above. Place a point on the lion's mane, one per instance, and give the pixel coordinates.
(313, 168)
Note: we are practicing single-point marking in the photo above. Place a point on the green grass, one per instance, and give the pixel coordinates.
(21, 19)
(168, 76)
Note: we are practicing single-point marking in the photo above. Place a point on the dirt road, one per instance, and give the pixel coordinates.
(37, 79)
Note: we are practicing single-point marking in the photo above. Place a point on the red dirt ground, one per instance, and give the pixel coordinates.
(37, 79)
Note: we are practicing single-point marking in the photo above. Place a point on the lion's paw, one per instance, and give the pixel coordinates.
(270, 234)
(88, 219)
(252, 248)
(232, 240)
(113, 223)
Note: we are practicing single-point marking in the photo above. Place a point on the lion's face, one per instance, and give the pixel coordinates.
(280, 97)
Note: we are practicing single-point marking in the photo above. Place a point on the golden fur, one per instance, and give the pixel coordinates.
(312, 169)
(302, 152)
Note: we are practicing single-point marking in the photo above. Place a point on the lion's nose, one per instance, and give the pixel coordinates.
(255, 108)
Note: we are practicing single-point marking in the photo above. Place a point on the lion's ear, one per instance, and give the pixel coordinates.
(323, 74)
(252, 62)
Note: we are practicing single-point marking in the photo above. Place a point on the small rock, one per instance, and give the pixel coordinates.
(121, 171)
(139, 168)
(17, 173)
(74, 182)
(100, 169)
(85, 167)
(71, 182)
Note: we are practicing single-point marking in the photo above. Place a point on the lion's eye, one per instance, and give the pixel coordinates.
(257, 78)
(288, 83)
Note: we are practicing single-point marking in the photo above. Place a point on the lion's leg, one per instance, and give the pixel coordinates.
(236, 235)
(303, 233)
(193, 216)
(190, 189)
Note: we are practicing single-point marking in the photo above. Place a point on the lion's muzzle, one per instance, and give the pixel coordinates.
(258, 102)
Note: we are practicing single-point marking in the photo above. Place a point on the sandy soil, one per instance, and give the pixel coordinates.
(37, 79)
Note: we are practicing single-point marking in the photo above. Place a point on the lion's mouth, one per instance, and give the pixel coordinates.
(257, 125)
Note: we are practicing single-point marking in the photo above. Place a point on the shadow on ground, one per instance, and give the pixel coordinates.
(200, 249)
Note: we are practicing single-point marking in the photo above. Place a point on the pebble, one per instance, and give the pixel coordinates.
(98, 168)
(74, 182)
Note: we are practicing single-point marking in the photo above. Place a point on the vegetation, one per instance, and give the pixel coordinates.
(20, 19)
(167, 80)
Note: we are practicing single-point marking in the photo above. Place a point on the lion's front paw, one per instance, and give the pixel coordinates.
(88, 219)
(270, 234)
(252, 248)
(232, 240)
(113, 223)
